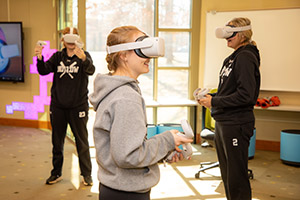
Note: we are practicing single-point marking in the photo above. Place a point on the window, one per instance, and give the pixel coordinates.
(171, 78)
(103, 16)
(174, 14)
(173, 71)
(67, 16)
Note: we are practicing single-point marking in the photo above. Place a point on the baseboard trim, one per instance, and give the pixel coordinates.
(267, 145)
(25, 123)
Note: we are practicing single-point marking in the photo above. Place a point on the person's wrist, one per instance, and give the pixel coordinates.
(83, 57)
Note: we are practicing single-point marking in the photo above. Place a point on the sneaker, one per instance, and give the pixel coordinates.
(87, 180)
(53, 179)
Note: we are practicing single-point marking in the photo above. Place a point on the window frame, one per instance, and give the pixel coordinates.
(193, 68)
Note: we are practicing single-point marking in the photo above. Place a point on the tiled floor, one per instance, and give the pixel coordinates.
(26, 163)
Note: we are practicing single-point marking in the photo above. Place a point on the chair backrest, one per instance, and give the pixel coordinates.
(209, 121)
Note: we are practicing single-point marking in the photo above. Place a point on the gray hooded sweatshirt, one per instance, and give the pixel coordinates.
(127, 160)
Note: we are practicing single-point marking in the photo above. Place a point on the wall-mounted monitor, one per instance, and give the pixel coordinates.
(11, 52)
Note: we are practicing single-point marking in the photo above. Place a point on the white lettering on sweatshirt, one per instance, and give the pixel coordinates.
(226, 70)
(67, 69)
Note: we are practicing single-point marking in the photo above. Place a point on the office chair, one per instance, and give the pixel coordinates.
(207, 134)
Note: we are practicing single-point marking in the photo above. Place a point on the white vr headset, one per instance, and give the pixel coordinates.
(144, 47)
(73, 38)
(227, 32)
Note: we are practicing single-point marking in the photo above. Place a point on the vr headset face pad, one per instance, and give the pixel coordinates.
(71, 38)
(139, 51)
(155, 48)
(233, 34)
(225, 32)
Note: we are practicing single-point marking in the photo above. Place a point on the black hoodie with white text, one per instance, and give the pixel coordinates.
(239, 84)
(70, 78)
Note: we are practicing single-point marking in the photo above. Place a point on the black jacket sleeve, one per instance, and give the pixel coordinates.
(45, 68)
(88, 65)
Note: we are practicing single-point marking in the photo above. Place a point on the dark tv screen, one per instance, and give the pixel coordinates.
(11, 52)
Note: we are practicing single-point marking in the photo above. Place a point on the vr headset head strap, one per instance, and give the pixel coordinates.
(144, 47)
(130, 46)
(229, 31)
(232, 29)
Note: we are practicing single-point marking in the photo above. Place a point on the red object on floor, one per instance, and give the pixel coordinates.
(268, 101)
(264, 103)
(275, 101)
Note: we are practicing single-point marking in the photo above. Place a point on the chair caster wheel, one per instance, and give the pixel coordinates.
(250, 174)
(197, 175)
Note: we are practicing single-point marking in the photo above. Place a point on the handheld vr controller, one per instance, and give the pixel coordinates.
(200, 93)
(187, 148)
(41, 43)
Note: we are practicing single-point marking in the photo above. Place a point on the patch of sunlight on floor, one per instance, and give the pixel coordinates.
(207, 187)
(208, 183)
(90, 125)
(170, 184)
(196, 151)
(75, 172)
(76, 178)
(188, 171)
(95, 187)
(224, 199)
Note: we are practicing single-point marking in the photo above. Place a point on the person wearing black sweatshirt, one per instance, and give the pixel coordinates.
(69, 101)
(232, 108)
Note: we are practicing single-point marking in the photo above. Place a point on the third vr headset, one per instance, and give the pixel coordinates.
(144, 47)
(73, 38)
(227, 31)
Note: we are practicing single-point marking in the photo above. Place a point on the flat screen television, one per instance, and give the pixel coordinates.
(11, 52)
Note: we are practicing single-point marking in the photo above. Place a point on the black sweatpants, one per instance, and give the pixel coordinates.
(232, 142)
(77, 118)
(107, 193)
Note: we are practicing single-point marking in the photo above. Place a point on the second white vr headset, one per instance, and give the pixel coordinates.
(226, 32)
(73, 38)
(144, 47)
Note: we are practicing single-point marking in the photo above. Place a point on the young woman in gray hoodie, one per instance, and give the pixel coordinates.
(127, 160)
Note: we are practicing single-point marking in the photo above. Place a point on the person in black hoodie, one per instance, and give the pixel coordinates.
(69, 101)
(232, 108)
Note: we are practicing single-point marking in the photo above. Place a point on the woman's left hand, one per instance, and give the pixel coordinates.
(80, 53)
(177, 157)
